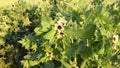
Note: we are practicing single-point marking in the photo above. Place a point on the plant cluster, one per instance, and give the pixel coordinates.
(60, 34)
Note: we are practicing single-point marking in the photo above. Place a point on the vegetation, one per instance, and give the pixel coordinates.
(60, 34)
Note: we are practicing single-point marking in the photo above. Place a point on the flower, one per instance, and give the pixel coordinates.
(49, 55)
(115, 39)
(62, 22)
(60, 34)
(74, 63)
(13, 5)
(59, 27)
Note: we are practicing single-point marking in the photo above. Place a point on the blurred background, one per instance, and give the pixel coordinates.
(8, 2)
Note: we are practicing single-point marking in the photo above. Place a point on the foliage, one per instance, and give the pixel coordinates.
(60, 34)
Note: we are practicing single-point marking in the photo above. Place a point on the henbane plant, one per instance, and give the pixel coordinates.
(60, 34)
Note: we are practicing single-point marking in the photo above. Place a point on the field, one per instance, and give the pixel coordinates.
(60, 34)
(4, 3)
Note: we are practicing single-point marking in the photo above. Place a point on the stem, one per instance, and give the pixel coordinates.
(83, 64)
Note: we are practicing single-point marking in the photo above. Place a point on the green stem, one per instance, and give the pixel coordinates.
(83, 64)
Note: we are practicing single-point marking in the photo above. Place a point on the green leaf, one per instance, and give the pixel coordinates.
(28, 42)
(86, 53)
(33, 63)
(25, 63)
(43, 59)
(27, 56)
(49, 64)
(101, 51)
(50, 35)
(70, 52)
(38, 31)
(66, 41)
(89, 31)
(46, 23)
(3, 34)
(108, 65)
(73, 32)
(2, 41)
(25, 43)
(34, 47)
(67, 65)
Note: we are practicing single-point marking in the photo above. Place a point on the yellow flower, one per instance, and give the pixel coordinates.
(60, 34)
(115, 39)
(59, 27)
(74, 63)
(49, 55)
